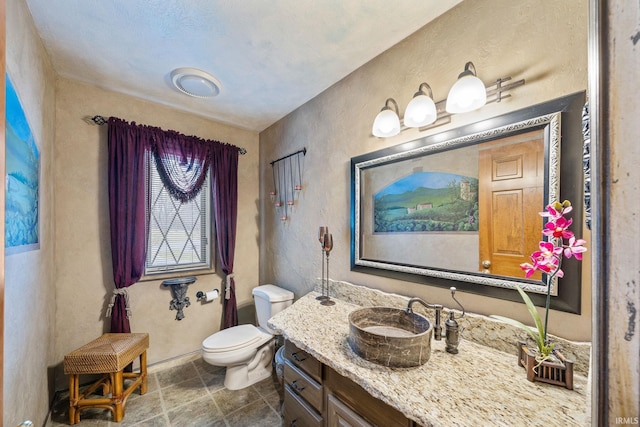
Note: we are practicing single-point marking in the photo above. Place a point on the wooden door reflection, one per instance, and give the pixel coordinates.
(511, 194)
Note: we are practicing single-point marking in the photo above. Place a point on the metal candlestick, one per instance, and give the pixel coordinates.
(323, 231)
(327, 246)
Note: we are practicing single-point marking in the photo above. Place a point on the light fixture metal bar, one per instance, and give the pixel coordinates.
(497, 88)
(443, 119)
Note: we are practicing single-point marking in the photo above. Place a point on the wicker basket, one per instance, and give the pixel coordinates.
(550, 372)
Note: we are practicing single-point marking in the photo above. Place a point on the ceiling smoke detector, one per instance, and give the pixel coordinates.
(194, 82)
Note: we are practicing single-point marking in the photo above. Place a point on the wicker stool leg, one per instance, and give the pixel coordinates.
(106, 386)
(143, 372)
(74, 414)
(116, 396)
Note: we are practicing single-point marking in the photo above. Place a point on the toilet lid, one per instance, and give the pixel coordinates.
(233, 338)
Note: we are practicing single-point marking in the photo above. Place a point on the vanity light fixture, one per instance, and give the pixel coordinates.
(467, 93)
(421, 110)
(387, 122)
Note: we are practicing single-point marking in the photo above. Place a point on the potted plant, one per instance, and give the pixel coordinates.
(547, 364)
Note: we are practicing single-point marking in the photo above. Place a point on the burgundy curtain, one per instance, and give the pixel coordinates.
(224, 168)
(182, 163)
(127, 146)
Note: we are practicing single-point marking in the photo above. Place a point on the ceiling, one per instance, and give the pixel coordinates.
(270, 56)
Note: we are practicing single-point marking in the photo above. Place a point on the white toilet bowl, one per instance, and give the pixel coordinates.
(247, 351)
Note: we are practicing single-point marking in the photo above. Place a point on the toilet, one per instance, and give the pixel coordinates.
(247, 350)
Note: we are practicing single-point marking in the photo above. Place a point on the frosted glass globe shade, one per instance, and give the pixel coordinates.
(421, 111)
(386, 124)
(467, 94)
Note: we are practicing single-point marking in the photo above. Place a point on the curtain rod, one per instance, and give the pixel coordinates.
(100, 120)
(303, 151)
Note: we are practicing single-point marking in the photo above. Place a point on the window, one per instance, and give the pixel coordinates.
(178, 234)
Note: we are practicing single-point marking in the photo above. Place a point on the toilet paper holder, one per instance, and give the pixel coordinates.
(207, 296)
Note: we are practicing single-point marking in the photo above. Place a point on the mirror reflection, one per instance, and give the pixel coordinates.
(477, 204)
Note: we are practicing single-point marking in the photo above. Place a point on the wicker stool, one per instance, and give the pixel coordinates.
(107, 355)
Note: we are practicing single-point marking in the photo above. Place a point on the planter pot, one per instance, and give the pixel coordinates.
(551, 372)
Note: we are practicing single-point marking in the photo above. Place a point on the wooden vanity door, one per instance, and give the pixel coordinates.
(340, 415)
(511, 194)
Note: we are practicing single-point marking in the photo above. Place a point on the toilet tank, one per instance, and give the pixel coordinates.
(270, 300)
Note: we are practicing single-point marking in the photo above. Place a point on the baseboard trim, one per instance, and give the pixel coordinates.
(173, 361)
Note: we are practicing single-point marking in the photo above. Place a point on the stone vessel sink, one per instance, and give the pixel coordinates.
(390, 336)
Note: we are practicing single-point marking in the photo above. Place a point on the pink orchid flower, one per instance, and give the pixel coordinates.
(556, 210)
(548, 258)
(545, 260)
(528, 269)
(548, 251)
(558, 228)
(550, 267)
(575, 248)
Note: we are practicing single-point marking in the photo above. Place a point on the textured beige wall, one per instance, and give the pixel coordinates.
(84, 280)
(542, 42)
(29, 292)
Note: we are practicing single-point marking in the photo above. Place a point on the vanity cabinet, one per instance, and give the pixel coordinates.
(316, 395)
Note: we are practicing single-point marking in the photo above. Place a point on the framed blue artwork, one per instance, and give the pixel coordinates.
(22, 180)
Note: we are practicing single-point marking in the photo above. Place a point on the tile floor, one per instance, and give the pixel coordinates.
(188, 395)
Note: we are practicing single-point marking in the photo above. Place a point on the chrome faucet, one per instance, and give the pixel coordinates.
(437, 329)
(452, 337)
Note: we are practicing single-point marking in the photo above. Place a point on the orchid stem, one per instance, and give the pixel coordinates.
(546, 311)
(548, 302)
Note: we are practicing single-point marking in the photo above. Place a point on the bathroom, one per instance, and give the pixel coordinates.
(68, 280)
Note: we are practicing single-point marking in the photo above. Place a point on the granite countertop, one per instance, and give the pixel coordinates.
(479, 386)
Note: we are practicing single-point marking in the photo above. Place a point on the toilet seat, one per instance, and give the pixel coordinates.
(234, 338)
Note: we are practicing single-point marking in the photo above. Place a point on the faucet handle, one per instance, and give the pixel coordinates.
(453, 295)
